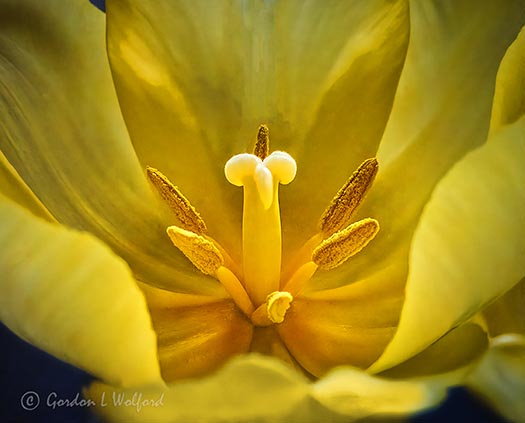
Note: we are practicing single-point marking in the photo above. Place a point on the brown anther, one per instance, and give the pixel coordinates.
(262, 144)
(346, 201)
(342, 245)
(204, 255)
(185, 212)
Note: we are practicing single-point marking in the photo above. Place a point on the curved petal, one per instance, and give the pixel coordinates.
(65, 292)
(350, 325)
(500, 376)
(356, 394)
(13, 187)
(441, 111)
(196, 79)
(62, 131)
(196, 335)
(509, 97)
(506, 315)
(248, 388)
(468, 249)
(356, 98)
(257, 388)
(458, 348)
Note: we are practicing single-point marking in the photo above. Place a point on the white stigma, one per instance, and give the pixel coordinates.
(278, 167)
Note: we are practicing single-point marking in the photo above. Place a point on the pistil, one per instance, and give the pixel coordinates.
(261, 226)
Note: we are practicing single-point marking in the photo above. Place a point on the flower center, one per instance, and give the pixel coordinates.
(257, 292)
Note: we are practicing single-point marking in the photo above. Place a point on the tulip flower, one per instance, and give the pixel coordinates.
(267, 210)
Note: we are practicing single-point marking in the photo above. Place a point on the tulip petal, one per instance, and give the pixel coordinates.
(195, 79)
(258, 388)
(351, 325)
(509, 97)
(249, 388)
(500, 377)
(458, 348)
(195, 334)
(356, 394)
(355, 104)
(441, 111)
(63, 133)
(468, 248)
(506, 314)
(65, 292)
(13, 187)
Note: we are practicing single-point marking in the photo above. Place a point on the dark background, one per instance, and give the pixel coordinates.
(25, 368)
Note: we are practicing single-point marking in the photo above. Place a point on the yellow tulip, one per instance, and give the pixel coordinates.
(146, 240)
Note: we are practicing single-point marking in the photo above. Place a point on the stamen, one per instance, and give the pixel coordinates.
(204, 255)
(300, 277)
(342, 245)
(338, 213)
(273, 310)
(262, 144)
(235, 289)
(185, 212)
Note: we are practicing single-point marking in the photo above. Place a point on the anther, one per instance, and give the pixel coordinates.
(262, 144)
(188, 217)
(341, 208)
(342, 245)
(204, 255)
(273, 310)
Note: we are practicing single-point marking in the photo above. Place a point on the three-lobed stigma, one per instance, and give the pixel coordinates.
(261, 289)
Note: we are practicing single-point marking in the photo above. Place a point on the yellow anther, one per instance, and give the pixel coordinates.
(277, 304)
(338, 213)
(273, 310)
(262, 144)
(342, 245)
(185, 212)
(204, 255)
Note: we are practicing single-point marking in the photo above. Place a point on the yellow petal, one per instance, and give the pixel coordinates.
(506, 314)
(249, 388)
(13, 187)
(63, 133)
(344, 326)
(195, 334)
(66, 293)
(458, 348)
(468, 249)
(354, 103)
(500, 376)
(441, 111)
(509, 98)
(195, 85)
(356, 394)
